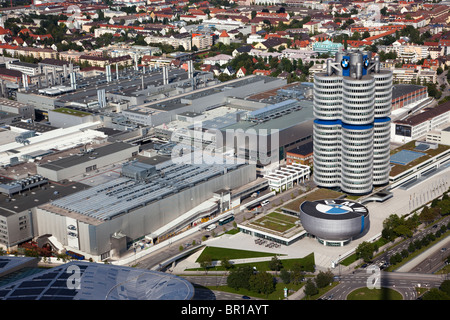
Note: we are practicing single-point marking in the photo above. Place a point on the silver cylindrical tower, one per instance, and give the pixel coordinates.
(352, 106)
(381, 151)
(327, 153)
(327, 97)
(358, 100)
(357, 159)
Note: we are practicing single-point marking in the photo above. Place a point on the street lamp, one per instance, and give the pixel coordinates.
(339, 262)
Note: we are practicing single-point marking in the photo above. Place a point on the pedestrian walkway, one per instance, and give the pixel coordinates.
(324, 256)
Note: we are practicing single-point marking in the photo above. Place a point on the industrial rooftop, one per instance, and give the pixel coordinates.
(123, 194)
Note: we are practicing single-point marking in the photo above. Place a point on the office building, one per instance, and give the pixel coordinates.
(352, 105)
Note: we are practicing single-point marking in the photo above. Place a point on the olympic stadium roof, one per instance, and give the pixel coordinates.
(93, 281)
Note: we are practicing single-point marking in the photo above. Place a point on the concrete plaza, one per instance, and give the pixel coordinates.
(403, 202)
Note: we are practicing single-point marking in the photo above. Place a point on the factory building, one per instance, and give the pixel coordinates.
(103, 221)
(87, 161)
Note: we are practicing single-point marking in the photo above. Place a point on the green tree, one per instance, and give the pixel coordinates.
(285, 276)
(435, 294)
(355, 36)
(310, 288)
(403, 231)
(275, 264)
(427, 215)
(445, 287)
(225, 262)
(239, 278)
(297, 273)
(365, 251)
(323, 279)
(262, 282)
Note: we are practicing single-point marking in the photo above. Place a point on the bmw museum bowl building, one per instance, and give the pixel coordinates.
(334, 222)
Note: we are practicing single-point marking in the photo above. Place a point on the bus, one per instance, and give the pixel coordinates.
(226, 220)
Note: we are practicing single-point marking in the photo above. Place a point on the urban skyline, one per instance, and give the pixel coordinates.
(294, 149)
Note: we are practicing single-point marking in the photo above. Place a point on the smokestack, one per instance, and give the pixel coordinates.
(25, 81)
(108, 73)
(190, 69)
(54, 74)
(101, 95)
(46, 77)
(73, 80)
(165, 75)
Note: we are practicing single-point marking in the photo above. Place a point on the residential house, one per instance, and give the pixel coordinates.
(220, 59)
(224, 38)
(271, 43)
(240, 50)
(241, 72)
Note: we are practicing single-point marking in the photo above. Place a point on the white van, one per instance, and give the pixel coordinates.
(211, 227)
(265, 203)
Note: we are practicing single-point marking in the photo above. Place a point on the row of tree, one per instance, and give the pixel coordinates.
(246, 277)
(395, 227)
(322, 280)
(441, 293)
(263, 282)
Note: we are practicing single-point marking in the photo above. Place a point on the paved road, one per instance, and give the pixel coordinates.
(442, 79)
(405, 244)
(404, 283)
(435, 261)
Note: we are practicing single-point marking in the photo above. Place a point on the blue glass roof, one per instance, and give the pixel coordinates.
(94, 281)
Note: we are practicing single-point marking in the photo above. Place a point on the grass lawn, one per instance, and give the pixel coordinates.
(72, 112)
(315, 195)
(218, 254)
(276, 221)
(374, 294)
(278, 294)
(307, 262)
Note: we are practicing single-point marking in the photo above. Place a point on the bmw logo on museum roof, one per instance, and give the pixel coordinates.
(333, 208)
(334, 219)
(339, 206)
